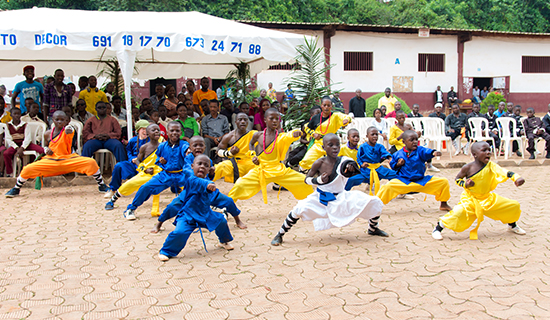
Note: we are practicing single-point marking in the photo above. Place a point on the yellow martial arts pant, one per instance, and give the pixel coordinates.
(465, 213)
(315, 152)
(439, 187)
(225, 169)
(133, 185)
(249, 185)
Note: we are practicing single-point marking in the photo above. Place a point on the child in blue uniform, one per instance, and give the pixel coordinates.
(369, 157)
(171, 159)
(410, 165)
(218, 199)
(196, 213)
(125, 170)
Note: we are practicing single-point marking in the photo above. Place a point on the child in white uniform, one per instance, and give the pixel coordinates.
(331, 206)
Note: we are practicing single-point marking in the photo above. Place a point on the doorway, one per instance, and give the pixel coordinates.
(483, 82)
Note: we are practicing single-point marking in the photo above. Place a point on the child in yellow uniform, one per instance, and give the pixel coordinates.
(396, 132)
(269, 149)
(320, 125)
(410, 166)
(350, 148)
(147, 169)
(237, 144)
(479, 179)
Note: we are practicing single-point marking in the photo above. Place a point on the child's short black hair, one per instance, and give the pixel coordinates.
(181, 104)
(116, 98)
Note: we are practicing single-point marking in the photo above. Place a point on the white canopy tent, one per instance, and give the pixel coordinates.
(168, 44)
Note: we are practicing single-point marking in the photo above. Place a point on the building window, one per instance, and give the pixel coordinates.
(286, 66)
(532, 64)
(431, 62)
(358, 61)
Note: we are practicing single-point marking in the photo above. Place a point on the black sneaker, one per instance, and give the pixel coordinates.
(13, 192)
(518, 153)
(378, 232)
(532, 156)
(277, 240)
(103, 188)
(277, 187)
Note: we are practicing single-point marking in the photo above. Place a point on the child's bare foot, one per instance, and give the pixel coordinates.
(444, 206)
(156, 229)
(225, 245)
(240, 223)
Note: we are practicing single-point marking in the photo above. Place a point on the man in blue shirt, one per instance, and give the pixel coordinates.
(28, 89)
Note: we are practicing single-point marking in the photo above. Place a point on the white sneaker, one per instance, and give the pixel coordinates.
(108, 194)
(225, 245)
(457, 152)
(437, 235)
(129, 214)
(431, 168)
(163, 257)
(518, 230)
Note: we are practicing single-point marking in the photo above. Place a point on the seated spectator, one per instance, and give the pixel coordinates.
(205, 107)
(516, 115)
(56, 95)
(396, 132)
(204, 92)
(452, 97)
(501, 112)
(546, 120)
(397, 107)
(2, 149)
(509, 109)
(18, 138)
(82, 114)
(157, 100)
(189, 125)
(484, 93)
(124, 125)
(383, 109)
(493, 128)
(228, 110)
(171, 102)
(6, 115)
(191, 109)
(438, 112)
(92, 95)
(145, 108)
(181, 97)
(163, 119)
(259, 123)
(103, 132)
(533, 129)
(155, 118)
(109, 91)
(254, 106)
(415, 112)
(83, 83)
(118, 111)
(214, 127)
(455, 125)
(474, 114)
(476, 95)
(244, 108)
(32, 115)
(381, 125)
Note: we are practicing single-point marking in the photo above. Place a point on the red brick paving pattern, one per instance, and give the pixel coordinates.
(64, 257)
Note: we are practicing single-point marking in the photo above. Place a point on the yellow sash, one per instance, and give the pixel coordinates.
(374, 180)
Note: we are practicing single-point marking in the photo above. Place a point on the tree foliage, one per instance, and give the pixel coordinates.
(500, 15)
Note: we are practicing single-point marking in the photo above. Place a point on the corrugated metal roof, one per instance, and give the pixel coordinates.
(384, 28)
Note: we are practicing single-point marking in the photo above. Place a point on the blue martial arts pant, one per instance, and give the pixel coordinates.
(217, 199)
(177, 239)
(158, 183)
(122, 171)
(364, 176)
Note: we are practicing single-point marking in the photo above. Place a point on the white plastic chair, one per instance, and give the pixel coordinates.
(416, 124)
(100, 156)
(391, 122)
(434, 132)
(506, 135)
(79, 128)
(37, 136)
(479, 131)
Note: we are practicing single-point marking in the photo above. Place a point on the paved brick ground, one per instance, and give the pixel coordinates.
(64, 257)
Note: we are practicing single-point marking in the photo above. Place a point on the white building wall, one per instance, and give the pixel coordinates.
(387, 48)
(277, 77)
(496, 57)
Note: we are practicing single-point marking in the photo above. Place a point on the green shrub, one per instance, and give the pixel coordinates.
(493, 98)
(372, 104)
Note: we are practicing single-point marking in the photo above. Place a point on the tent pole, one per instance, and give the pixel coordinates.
(126, 61)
